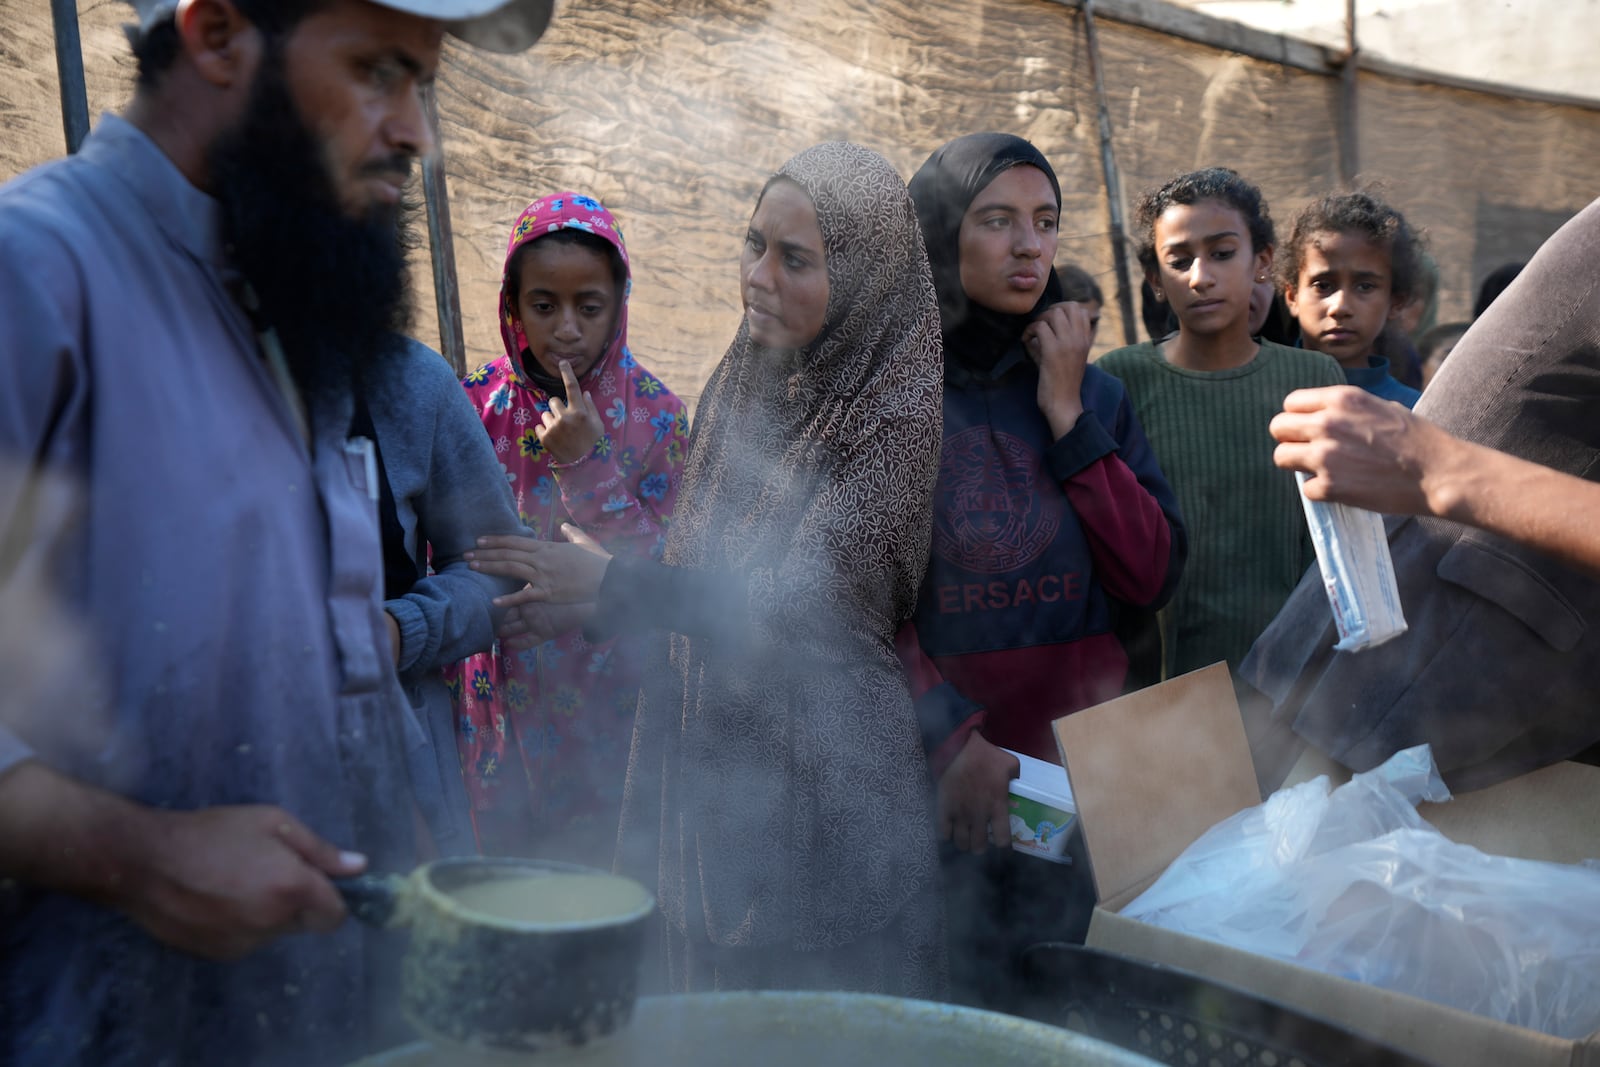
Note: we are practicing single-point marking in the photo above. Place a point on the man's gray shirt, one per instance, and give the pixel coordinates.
(227, 581)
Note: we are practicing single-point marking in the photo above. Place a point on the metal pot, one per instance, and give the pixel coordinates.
(478, 977)
(800, 1030)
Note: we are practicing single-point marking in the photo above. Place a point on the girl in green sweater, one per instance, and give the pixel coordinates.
(1205, 397)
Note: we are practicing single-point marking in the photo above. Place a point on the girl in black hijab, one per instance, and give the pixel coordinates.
(1052, 527)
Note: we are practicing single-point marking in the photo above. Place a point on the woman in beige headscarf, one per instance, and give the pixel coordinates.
(776, 760)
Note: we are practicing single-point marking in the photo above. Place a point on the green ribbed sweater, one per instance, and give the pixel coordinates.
(1248, 543)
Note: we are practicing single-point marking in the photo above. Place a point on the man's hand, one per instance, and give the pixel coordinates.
(553, 572)
(570, 430)
(1367, 452)
(1377, 455)
(393, 626)
(974, 794)
(217, 883)
(1058, 341)
(222, 882)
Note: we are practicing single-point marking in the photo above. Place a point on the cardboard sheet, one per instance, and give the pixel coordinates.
(1153, 770)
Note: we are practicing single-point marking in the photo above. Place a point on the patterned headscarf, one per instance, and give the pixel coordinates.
(878, 357)
(562, 211)
(811, 474)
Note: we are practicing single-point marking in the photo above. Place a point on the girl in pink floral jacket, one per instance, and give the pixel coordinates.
(588, 436)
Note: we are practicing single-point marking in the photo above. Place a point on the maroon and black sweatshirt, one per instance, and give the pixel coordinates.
(1040, 546)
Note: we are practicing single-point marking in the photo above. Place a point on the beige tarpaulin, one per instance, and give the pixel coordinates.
(675, 112)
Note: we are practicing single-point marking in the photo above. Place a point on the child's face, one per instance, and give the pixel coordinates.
(567, 305)
(1205, 268)
(1007, 241)
(1343, 298)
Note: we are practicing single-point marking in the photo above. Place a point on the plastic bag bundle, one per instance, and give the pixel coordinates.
(1355, 883)
(1357, 571)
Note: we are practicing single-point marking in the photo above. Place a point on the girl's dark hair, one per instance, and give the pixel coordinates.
(1495, 284)
(1212, 183)
(1364, 215)
(1159, 320)
(155, 49)
(1079, 285)
(569, 235)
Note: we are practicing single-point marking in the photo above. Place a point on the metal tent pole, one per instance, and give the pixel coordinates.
(69, 72)
(1349, 70)
(1113, 180)
(441, 244)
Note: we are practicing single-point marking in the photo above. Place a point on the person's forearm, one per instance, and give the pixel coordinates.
(1130, 537)
(444, 618)
(59, 834)
(642, 594)
(1542, 508)
(945, 716)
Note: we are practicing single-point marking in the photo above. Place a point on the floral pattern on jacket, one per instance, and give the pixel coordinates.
(543, 733)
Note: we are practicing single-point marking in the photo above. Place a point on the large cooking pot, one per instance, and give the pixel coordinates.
(800, 1030)
(522, 955)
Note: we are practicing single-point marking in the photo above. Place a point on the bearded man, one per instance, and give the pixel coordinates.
(184, 306)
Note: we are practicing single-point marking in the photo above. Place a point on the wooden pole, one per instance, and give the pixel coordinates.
(69, 72)
(1113, 180)
(441, 245)
(1349, 70)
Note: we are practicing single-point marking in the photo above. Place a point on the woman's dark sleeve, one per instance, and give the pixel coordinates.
(639, 594)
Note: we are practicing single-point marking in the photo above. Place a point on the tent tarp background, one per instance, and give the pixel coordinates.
(674, 113)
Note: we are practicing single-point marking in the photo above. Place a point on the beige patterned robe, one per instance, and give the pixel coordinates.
(786, 775)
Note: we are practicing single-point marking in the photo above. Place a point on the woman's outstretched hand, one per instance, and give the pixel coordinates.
(553, 572)
(531, 625)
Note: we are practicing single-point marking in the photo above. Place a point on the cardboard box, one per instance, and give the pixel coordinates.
(1153, 770)
(1552, 814)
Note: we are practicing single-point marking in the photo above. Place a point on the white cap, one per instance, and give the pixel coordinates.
(493, 25)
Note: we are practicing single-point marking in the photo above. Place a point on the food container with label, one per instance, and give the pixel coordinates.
(1042, 809)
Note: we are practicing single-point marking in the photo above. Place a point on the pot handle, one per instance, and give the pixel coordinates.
(372, 898)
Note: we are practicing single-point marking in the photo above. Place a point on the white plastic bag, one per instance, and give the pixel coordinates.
(1355, 883)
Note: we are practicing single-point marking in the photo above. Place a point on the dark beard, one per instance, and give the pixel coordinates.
(335, 288)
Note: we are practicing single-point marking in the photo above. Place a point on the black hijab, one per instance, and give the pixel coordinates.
(943, 189)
